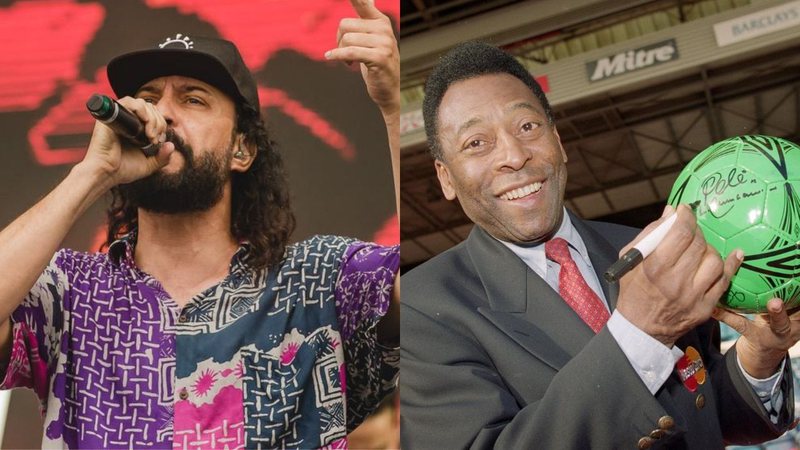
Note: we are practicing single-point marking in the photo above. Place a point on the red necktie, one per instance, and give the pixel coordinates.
(573, 288)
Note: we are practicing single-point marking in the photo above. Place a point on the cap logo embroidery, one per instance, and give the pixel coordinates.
(179, 39)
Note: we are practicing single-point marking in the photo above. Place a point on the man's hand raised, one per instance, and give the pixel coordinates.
(369, 40)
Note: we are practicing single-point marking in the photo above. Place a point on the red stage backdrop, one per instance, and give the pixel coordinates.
(53, 55)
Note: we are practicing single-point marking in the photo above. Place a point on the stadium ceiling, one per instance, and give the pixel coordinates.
(422, 15)
(627, 145)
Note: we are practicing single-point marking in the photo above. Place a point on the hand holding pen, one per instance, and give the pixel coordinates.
(676, 287)
(643, 248)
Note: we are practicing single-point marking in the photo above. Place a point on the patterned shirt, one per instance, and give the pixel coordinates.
(286, 358)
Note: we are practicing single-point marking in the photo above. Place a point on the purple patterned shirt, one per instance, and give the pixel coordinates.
(287, 358)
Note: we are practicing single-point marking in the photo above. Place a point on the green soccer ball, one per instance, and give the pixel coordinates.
(747, 188)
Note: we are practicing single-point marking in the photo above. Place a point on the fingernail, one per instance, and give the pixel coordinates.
(739, 254)
(162, 138)
(328, 54)
(667, 211)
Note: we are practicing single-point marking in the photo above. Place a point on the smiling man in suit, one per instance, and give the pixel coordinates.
(511, 339)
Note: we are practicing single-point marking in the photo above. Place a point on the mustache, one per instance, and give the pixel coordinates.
(180, 144)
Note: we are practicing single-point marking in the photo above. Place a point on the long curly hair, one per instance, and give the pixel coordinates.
(261, 212)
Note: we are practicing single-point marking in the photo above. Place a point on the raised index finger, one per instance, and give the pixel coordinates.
(366, 9)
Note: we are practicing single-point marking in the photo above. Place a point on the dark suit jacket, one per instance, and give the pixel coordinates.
(492, 357)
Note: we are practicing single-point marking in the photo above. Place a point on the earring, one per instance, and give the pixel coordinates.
(239, 155)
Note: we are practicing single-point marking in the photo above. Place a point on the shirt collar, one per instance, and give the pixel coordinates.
(568, 232)
(534, 256)
(239, 258)
(122, 251)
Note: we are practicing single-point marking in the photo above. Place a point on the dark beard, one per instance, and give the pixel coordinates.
(196, 187)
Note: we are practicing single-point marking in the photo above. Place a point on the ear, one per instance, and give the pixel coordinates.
(558, 139)
(443, 173)
(243, 155)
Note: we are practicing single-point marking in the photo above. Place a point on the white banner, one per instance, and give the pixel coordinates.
(632, 60)
(757, 24)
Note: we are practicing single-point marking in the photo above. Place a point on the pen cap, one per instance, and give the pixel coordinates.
(625, 264)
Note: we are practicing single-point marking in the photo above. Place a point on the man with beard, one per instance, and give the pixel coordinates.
(511, 339)
(200, 327)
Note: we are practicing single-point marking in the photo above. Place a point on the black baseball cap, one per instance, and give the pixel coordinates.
(214, 61)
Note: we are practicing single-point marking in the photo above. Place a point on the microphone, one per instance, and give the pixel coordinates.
(124, 123)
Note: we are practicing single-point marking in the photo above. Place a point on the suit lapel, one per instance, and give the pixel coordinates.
(523, 305)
